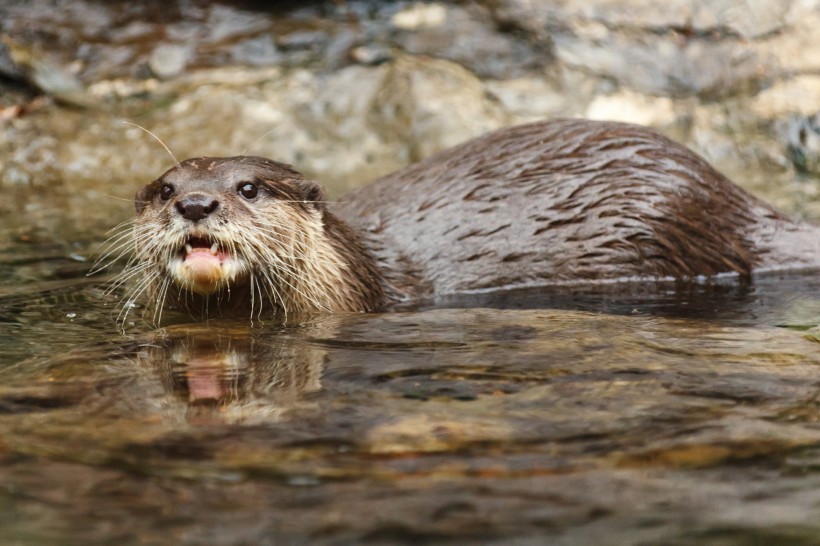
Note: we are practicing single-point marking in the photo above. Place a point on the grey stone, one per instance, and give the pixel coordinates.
(802, 136)
(169, 60)
(260, 50)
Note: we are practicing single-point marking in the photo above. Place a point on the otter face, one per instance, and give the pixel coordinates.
(214, 225)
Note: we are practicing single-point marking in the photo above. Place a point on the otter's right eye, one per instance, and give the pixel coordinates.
(248, 190)
(166, 192)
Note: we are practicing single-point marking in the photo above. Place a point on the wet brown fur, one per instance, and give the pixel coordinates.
(568, 201)
(544, 203)
(329, 272)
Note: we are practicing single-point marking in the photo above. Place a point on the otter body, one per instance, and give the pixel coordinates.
(545, 203)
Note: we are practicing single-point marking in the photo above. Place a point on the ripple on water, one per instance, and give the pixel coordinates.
(674, 422)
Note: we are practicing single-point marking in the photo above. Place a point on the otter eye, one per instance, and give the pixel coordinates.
(248, 190)
(166, 192)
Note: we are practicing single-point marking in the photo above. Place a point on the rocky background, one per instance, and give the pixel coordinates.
(349, 90)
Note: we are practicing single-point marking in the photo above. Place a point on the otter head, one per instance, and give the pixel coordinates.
(237, 227)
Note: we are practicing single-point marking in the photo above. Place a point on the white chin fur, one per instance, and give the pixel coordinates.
(222, 276)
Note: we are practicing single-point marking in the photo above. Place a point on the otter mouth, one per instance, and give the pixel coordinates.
(194, 246)
(204, 265)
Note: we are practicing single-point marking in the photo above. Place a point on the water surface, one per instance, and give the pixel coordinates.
(676, 413)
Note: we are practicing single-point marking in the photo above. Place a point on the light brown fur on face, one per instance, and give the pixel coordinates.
(246, 236)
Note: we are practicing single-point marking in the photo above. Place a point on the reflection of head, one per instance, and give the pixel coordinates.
(205, 374)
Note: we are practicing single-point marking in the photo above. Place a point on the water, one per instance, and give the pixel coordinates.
(677, 413)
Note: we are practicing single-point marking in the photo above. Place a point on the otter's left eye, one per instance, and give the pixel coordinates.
(248, 190)
(166, 192)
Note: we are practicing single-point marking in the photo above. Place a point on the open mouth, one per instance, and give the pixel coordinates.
(205, 265)
(200, 246)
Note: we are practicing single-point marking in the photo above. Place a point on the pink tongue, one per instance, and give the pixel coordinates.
(202, 264)
(203, 384)
(202, 254)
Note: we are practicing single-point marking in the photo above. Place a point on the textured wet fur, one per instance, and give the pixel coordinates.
(544, 203)
(294, 256)
(568, 201)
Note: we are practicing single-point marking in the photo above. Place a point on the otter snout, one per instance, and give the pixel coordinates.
(196, 206)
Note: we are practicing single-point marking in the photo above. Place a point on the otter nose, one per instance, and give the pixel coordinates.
(196, 207)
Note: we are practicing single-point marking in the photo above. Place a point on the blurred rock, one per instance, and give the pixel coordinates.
(8, 68)
(169, 60)
(420, 15)
(662, 65)
(370, 54)
(42, 73)
(433, 105)
(361, 122)
(532, 99)
(802, 135)
(469, 36)
(260, 51)
(800, 94)
(749, 19)
(349, 91)
(226, 24)
(631, 107)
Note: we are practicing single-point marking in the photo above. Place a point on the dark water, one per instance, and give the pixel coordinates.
(679, 414)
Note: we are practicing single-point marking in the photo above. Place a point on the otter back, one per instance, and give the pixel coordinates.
(566, 200)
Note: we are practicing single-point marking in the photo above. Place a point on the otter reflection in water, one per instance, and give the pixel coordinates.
(222, 375)
(566, 201)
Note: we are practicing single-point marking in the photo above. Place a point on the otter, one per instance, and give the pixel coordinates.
(562, 201)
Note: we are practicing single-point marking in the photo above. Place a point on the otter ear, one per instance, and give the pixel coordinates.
(312, 191)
